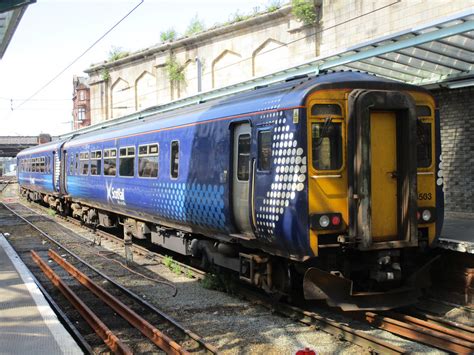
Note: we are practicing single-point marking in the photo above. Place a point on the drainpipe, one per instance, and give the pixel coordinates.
(199, 74)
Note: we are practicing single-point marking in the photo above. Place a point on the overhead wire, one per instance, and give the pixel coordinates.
(78, 57)
(313, 34)
(156, 91)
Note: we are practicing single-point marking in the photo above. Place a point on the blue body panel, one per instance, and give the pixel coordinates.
(200, 198)
(43, 182)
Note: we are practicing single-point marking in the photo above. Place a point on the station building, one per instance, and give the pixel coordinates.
(413, 41)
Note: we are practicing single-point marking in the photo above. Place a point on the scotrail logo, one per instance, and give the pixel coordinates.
(115, 195)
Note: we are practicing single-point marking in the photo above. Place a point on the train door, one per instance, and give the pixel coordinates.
(383, 147)
(241, 177)
(57, 170)
(63, 178)
(382, 140)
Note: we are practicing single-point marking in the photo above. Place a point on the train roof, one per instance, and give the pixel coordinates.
(50, 146)
(288, 94)
(291, 93)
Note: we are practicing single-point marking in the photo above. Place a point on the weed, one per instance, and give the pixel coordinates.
(176, 268)
(175, 71)
(117, 53)
(220, 282)
(169, 35)
(195, 26)
(168, 261)
(304, 11)
(273, 6)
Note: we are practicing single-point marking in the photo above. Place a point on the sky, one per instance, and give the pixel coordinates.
(53, 33)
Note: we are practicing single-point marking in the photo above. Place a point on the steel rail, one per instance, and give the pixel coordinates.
(308, 318)
(339, 330)
(156, 336)
(440, 320)
(433, 326)
(198, 274)
(362, 339)
(109, 338)
(420, 334)
(209, 348)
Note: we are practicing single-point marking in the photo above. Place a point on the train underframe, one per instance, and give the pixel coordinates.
(342, 275)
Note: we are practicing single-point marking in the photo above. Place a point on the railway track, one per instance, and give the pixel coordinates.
(445, 336)
(318, 322)
(113, 312)
(426, 329)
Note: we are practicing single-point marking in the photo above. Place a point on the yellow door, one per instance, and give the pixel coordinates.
(383, 141)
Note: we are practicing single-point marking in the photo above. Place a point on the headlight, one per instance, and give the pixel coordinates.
(426, 215)
(324, 221)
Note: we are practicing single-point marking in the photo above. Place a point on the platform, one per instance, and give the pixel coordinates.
(458, 234)
(28, 325)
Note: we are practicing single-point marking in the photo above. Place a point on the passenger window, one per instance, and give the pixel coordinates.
(84, 163)
(327, 145)
(96, 162)
(127, 161)
(110, 162)
(243, 160)
(264, 150)
(174, 159)
(77, 164)
(148, 160)
(71, 165)
(423, 144)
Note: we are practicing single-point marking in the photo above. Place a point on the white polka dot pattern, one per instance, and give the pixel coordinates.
(289, 179)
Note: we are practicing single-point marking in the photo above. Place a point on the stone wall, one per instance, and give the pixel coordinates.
(228, 54)
(457, 132)
(250, 48)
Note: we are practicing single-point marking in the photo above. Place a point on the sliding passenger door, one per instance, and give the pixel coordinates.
(241, 177)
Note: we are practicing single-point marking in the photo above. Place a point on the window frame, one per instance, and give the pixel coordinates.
(104, 158)
(431, 121)
(259, 133)
(93, 156)
(84, 156)
(127, 156)
(238, 156)
(171, 159)
(148, 154)
(340, 119)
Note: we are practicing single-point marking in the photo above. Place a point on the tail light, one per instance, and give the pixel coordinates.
(326, 221)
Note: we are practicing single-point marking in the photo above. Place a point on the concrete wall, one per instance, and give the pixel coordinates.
(457, 132)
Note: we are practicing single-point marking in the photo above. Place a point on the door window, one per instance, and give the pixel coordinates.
(243, 160)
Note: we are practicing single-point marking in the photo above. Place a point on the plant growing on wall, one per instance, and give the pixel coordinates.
(195, 26)
(304, 11)
(105, 74)
(117, 53)
(174, 70)
(169, 35)
(273, 6)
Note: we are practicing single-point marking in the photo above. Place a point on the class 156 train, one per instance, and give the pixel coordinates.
(329, 182)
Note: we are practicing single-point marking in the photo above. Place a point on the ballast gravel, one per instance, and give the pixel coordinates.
(232, 325)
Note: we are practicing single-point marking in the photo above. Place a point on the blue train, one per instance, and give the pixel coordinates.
(331, 181)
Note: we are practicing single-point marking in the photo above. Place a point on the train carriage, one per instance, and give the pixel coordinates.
(334, 177)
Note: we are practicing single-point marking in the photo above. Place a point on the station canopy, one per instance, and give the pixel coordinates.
(442, 51)
(439, 53)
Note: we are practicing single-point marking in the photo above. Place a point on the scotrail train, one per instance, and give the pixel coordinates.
(330, 181)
